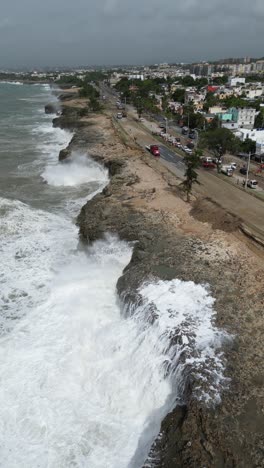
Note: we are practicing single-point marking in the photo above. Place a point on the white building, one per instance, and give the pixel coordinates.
(257, 134)
(244, 117)
(260, 147)
(234, 81)
(136, 77)
(254, 92)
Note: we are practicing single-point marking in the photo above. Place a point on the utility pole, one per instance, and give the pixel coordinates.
(166, 121)
(249, 156)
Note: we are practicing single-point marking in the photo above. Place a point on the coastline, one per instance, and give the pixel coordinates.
(142, 203)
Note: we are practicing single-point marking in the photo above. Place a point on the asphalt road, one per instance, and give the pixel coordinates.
(238, 202)
(172, 158)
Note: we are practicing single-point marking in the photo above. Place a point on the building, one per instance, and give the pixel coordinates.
(256, 134)
(194, 98)
(260, 147)
(244, 117)
(253, 92)
(234, 81)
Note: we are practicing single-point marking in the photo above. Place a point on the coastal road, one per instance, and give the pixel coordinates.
(172, 158)
(239, 202)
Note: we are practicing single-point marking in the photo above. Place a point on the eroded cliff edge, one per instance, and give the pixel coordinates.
(142, 203)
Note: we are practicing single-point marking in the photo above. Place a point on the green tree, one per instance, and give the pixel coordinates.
(215, 123)
(89, 91)
(220, 137)
(192, 162)
(248, 146)
(179, 95)
(94, 104)
(211, 100)
(220, 80)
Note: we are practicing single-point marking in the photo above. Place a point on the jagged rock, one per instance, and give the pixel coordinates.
(51, 108)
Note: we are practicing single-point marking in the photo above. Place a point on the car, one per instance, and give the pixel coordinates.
(252, 184)
(208, 165)
(162, 125)
(233, 165)
(243, 170)
(119, 115)
(217, 160)
(186, 149)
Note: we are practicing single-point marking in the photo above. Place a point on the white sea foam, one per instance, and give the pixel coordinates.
(15, 83)
(84, 381)
(30, 246)
(78, 169)
(185, 310)
(85, 384)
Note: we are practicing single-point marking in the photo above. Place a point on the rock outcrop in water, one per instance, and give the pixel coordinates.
(51, 108)
(141, 205)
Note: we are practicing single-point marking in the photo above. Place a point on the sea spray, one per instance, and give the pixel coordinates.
(76, 170)
(84, 382)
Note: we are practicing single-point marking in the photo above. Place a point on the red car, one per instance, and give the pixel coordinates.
(208, 165)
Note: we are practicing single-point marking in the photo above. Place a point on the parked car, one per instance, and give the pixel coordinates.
(208, 160)
(119, 115)
(227, 170)
(187, 150)
(252, 184)
(233, 165)
(243, 170)
(217, 160)
(208, 165)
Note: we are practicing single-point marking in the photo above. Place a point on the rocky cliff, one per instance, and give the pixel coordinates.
(142, 204)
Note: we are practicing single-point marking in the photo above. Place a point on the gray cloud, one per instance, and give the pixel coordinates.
(62, 32)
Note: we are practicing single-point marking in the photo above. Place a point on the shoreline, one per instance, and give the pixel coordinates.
(142, 203)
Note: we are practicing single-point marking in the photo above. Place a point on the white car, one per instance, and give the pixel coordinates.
(233, 165)
(252, 184)
(187, 150)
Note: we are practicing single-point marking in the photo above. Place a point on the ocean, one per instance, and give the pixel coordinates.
(82, 384)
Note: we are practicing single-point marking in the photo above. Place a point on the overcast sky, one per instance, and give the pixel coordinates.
(73, 32)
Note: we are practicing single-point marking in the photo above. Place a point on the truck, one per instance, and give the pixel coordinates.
(153, 149)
